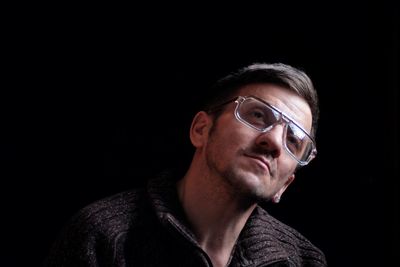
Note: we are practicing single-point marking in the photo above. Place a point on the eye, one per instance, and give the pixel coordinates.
(257, 114)
(258, 117)
(293, 142)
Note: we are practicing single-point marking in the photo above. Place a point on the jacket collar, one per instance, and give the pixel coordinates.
(256, 246)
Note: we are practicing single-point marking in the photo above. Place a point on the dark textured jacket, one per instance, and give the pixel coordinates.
(146, 227)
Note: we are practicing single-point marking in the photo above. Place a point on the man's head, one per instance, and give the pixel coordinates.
(256, 129)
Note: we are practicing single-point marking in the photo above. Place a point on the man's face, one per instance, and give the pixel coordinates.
(252, 163)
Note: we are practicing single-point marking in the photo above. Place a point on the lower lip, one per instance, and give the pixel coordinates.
(261, 163)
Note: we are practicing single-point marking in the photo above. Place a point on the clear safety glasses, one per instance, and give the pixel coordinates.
(261, 116)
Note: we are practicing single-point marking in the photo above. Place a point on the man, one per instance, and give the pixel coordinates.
(252, 135)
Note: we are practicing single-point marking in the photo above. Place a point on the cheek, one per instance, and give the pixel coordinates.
(286, 167)
(230, 137)
(237, 140)
(227, 142)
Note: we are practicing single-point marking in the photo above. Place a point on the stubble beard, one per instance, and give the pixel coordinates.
(237, 181)
(233, 177)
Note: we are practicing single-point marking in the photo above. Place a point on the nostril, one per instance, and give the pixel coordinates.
(269, 148)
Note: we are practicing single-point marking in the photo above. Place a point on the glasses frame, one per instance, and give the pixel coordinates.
(283, 118)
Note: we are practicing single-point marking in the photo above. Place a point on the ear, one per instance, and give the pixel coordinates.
(199, 129)
(279, 194)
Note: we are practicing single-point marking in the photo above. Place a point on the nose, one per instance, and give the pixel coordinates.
(271, 141)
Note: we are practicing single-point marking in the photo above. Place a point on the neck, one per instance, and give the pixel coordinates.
(216, 215)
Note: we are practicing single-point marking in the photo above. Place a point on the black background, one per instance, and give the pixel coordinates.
(97, 100)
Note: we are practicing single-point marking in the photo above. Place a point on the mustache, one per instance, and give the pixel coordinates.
(262, 153)
(259, 151)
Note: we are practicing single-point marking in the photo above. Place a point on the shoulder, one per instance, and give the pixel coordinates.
(92, 233)
(111, 215)
(294, 243)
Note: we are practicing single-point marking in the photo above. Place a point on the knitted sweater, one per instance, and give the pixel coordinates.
(147, 227)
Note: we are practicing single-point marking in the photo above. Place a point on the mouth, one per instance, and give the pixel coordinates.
(261, 161)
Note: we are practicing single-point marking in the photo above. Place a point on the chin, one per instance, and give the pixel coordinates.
(251, 185)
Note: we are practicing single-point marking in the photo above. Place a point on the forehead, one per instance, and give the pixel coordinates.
(282, 98)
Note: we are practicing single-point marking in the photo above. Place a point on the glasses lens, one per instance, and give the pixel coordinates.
(257, 114)
(298, 142)
(260, 116)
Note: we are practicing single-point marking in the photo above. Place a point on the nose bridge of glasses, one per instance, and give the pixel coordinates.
(279, 120)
